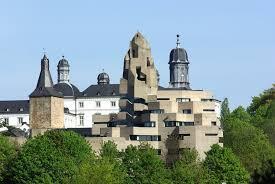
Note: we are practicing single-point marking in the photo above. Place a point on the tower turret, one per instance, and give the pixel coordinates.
(178, 62)
(46, 104)
(63, 70)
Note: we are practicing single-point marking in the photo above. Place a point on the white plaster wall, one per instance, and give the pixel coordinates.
(13, 119)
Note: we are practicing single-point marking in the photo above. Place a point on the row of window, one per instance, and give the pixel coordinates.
(177, 123)
(19, 121)
(97, 103)
(145, 137)
(184, 111)
(20, 110)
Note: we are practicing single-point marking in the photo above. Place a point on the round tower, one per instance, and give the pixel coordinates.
(178, 65)
(63, 70)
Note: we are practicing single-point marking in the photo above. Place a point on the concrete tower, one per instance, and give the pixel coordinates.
(178, 62)
(63, 70)
(46, 104)
(139, 81)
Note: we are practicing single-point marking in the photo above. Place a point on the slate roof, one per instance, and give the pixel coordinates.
(45, 92)
(63, 63)
(178, 54)
(101, 90)
(14, 107)
(67, 89)
(44, 87)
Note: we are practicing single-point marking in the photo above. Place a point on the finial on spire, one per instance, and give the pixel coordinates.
(63, 56)
(178, 40)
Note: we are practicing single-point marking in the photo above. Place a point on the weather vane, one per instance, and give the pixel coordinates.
(178, 40)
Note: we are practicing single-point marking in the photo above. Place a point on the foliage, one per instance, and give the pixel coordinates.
(249, 143)
(225, 111)
(54, 157)
(7, 154)
(189, 170)
(109, 151)
(224, 166)
(143, 165)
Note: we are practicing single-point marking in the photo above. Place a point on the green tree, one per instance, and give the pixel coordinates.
(225, 111)
(143, 165)
(54, 157)
(109, 151)
(188, 169)
(249, 143)
(105, 169)
(7, 155)
(223, 165)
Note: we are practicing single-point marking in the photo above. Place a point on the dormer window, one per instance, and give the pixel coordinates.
(98, 93)
(7, 110)
(21, 109)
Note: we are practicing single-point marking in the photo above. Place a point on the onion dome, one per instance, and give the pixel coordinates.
(67, 89)
(103, 78)
(178, 54)
(63, 62)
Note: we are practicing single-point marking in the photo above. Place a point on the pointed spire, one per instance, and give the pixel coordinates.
(44, 85)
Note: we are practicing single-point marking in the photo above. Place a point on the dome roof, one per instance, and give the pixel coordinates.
(178, 54)
(67, 89)
(103, 78)
(63, 62)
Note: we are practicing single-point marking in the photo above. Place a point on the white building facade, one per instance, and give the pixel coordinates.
(79, 107)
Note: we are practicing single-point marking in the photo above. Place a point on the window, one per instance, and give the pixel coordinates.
(173, 123)
(98, 104)
(81, 104)
(220, 139)
(158, 151)
(187, 111)
(209, 110)
(188, 123)
(213, 123)
(6, 121)
(81, 120)
(157, 111)
(210, 134)
(113, 103)
(183, 100)
(20, 120)
(150, 124)
(7, 110)
(145, 137)
(178, 136)
(21, 109)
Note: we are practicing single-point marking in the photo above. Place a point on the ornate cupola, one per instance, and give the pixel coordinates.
(63, 70)
(178, 62)
(103, 78)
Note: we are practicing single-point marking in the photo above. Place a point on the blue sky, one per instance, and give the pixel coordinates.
(231, 44)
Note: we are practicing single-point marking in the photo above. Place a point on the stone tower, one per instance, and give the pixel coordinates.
(178, 62)
(139, 82)
(46, 104)
(63, 70)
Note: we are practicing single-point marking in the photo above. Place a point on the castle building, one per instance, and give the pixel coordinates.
(136, 110)
(79, 107)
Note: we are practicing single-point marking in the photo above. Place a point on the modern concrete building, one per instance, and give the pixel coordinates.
(170, 119)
